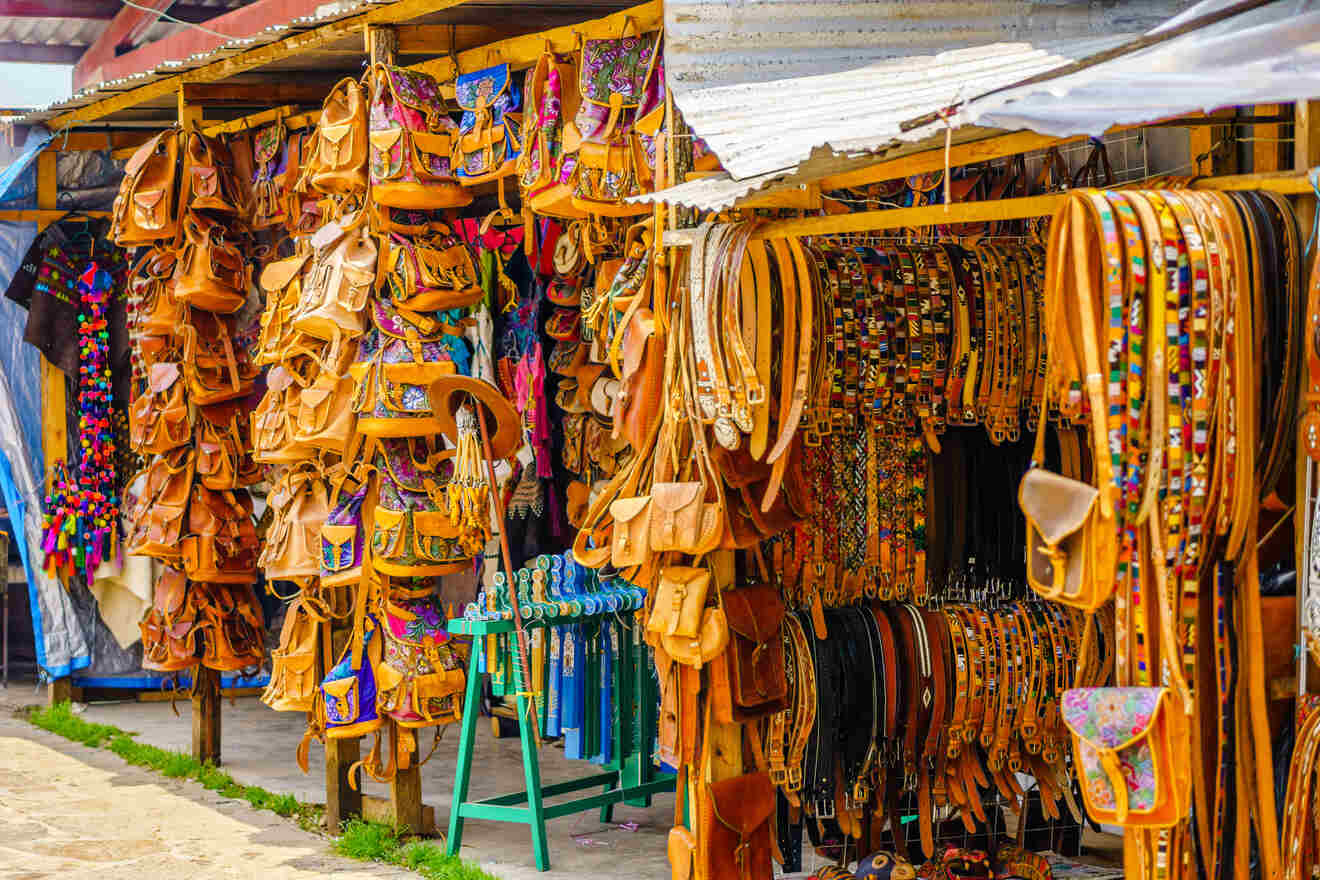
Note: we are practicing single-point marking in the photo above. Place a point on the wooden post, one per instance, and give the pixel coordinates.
(1267, 145)
(206, 715)
(1213, 149)
(406, 791)
(189, 114)
(1306, 155)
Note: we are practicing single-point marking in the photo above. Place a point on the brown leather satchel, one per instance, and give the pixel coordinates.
(755, 654)
(211, 273)
(152, 284)
(340, 163)
(208, 172)
(230, 626)
(642, 375)
(215, 368)
(167, 628)
(158, 418)
(144, 210)
(293, 680)
(734, 828)
(222, 542)
(156, 519)
(224, 447)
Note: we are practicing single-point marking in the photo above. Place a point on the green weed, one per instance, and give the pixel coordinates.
(378, 842)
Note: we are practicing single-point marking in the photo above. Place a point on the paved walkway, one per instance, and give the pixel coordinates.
(68, 812)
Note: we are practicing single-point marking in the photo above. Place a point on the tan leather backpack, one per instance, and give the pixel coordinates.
(208, 170)
(152, 285)
(211, 273)
(156, 519)
(276, 417)
(299, 505)
(229, 626)
(144, 210)
(340, 165)
(158, 418)
(167, 628)
(224, 447)
(222, 544)
(336, 285)
(282, 282)
(215, 368)
(293, 678)
(326, 417)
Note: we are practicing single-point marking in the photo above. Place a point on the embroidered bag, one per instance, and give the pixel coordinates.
(490, 136)
(545, 171)
(420, 678)
(412, 140)
(292, 686)
(412, 531)
(400, 356)
(430, 273)
(144, 210)
(298, 507)
(224, 447)
(158, 418)
(272, 175)
(621, 95)
(347, 697)
(340, 163)
(222, 544)
(1131, 746)
(338, 281)
(156, 520)
(211, 273)
(343, 534)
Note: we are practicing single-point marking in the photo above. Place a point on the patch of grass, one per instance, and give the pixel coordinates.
(378, 842)
(361, 840)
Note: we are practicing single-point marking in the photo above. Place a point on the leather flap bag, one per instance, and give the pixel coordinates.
(629, 545)
(679, 601)
(735, 827)
(144, 209)
(758, 683)
(710, 641)
(1063, 526)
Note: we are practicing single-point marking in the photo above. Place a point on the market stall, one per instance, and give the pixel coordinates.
(916, 509)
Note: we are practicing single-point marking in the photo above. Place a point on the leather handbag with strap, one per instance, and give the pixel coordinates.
(221, 545)
(158, 418)
(337, 281)
(343, 535)
(551, 100)
(412, 142)
(167, 628)
(299, 505)
(339, 166)
(622, 98)
(326, 419)
(413, 533)
(145, 210)
(215, 367)
(156, 523)
(755, 655)
(431, 272)
(292, 686)
(490, 131)
(275, 420)
(211, 273)
(224, 447)
(282, 282)
(159, 313)
(208, 175)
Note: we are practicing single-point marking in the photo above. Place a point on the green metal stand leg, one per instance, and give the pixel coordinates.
(466, 739)
(532, 772)
(607, 810)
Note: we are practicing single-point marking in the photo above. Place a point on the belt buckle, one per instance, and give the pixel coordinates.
(795, 778)
(779, 777)
(824, 808)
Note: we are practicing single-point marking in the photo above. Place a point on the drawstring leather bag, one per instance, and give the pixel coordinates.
(222, 544)
(156, 520)
(339, 166)
(224, 447)
(545, 170)
(211, 273)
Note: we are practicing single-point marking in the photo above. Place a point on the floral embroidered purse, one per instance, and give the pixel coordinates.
(490, 137)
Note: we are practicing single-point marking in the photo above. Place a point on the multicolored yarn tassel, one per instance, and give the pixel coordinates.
(82, 508)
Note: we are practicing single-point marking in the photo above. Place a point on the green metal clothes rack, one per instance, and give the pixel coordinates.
(630, 777)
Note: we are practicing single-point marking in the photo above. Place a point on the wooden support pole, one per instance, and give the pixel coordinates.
(406, 793)
(1267, 147)
(1213, 149)
(206, 715)
(189, 114)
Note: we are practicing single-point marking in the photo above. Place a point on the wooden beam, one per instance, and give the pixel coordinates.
(289, 113)
(42, 218)
(1306, 134)
(76, 141)
(974, 212)
(522, 52)
(39, 53)
(257, 94)
(316, 38)
(434, 38)
(206, 715)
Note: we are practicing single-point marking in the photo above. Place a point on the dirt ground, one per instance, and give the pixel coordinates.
(74, 813)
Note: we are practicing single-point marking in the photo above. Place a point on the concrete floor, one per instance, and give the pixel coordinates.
(258, 748)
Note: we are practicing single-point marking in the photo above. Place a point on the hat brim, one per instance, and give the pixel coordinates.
(449, 393)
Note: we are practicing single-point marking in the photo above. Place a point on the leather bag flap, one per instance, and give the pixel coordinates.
(1056, 505)
(675, 496)
(387, 677)
(1112, 718)
(384, 139)
(148, 198)
(277, 275)
(743, 803)
(628, 509)
(336, 133)
(755, 613)
(162, 376)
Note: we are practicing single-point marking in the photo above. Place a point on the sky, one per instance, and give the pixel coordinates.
(34, 85)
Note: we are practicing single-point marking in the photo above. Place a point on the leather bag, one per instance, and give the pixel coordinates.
(158, 418)
(326, 419)
(275, 420)
(755, 655)
(229, 627)
(1065, 540)
(433, 272)
(337, 282)
(343, 536)
(156, 520)
(167, 628)
(222, 545)
(299, 505)
(144, 210)
(216, 369)
(292, 686)
(340, 163)
(551, 100)
(151, 282)
(208, 173)
(629, 542)
(490, 130)
(282, 282)
(682, 520)
(412, 142)
(734, 828)
(224, 447)
(399, 358)
(211, 273)
(420, 679)
(412, 531)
